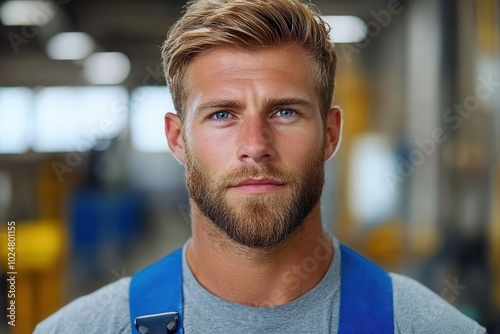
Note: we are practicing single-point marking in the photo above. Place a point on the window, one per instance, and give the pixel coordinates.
(147, 127)
(75, 118)
(15, 115)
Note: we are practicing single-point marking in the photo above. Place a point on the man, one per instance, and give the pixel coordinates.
(252, 82)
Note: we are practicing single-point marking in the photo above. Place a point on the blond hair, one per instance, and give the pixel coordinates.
(248, 24)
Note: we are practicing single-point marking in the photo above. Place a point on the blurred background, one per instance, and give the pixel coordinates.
(86, 173)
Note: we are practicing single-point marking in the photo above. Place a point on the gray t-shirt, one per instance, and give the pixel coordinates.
(416, 310)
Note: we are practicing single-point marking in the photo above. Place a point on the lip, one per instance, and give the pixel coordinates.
(258, 186)
(257, 181)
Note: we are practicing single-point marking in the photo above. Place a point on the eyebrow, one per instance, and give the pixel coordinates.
(277, 102)
(218, 104)
(268, 103)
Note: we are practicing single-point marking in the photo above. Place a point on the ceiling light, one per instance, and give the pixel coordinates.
(346, 29)
(106, 68)
(70, 45)
(27, 13)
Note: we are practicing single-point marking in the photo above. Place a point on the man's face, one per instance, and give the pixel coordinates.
(254, 141)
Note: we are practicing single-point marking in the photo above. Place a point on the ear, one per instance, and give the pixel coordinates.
(173, 130)
(333, 131)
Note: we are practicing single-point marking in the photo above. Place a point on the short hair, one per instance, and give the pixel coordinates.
(251, 25)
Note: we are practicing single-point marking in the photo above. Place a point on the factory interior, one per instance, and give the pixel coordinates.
(88, 178)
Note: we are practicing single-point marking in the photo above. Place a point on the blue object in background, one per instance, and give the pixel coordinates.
(102, 225)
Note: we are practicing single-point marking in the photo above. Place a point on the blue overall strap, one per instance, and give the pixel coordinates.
(365, 296)
(155, 297)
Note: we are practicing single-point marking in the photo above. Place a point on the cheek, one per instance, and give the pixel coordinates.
(212, 151)
(297, 146)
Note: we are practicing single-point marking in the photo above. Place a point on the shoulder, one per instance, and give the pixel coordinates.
(103, 311)
(419, 310)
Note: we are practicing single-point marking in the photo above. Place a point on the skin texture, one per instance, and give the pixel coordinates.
(254, 144)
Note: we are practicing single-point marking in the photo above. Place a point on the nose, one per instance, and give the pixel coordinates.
(256, 140)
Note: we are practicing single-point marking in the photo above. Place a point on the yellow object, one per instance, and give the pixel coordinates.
(39, 251)
(38, 245)
(384, 244)
(494, 241)
(353, 97)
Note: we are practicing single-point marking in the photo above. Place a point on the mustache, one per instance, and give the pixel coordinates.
(264, 171)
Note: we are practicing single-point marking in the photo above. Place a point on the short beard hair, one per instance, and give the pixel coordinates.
(257, 221)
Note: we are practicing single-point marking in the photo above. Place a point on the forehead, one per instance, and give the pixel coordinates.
(230, 72)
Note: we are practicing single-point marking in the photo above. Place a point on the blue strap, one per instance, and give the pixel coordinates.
(157, 289)
(366, 304)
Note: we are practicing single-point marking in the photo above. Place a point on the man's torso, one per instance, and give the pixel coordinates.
(417, 310)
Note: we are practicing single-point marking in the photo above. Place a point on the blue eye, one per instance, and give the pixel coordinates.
(221, 115)
(285, 112)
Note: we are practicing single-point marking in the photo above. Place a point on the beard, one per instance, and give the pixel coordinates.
(257, 220)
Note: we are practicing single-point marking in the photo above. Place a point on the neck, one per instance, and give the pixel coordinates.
(259, 277)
